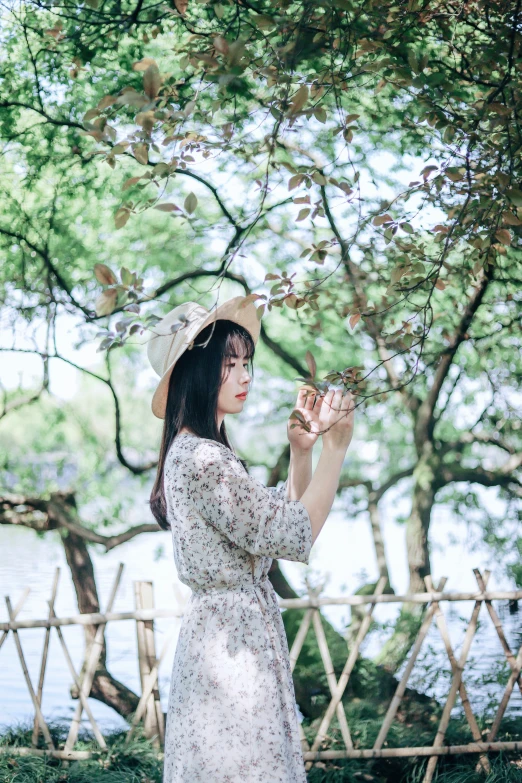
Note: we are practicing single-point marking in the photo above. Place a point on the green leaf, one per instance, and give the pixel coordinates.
(152, 81)
(515, 196)
(127, 277)
(318, 178)
(263, 21)
(190, 203)
(303, 213)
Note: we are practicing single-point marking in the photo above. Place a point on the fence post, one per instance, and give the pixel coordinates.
(153, 718)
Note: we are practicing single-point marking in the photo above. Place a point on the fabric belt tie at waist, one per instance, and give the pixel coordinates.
(230, 588)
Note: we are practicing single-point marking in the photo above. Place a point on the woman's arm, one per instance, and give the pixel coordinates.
(336, 422)
(299, 472)
(320, 494)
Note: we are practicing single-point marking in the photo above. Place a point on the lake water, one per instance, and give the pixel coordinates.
(343, 547)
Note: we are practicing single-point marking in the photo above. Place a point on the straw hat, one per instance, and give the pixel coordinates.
(171, 337)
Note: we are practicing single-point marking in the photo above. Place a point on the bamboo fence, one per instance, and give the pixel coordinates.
(149, 707)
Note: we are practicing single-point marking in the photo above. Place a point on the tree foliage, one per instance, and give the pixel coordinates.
(354, 167)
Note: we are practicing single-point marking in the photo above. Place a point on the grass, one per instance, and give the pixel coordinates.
(139, 761)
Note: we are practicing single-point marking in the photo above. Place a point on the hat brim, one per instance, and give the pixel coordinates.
(231, 310)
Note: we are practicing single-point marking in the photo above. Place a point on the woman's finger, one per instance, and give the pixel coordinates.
(338, 400)
(347, 401)
(302, 399)
(328, 397)
(310, 399)
(318, 401)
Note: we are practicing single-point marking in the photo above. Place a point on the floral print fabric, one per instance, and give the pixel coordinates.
(232, 714)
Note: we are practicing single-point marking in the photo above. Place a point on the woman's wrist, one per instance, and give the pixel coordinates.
(297, 451)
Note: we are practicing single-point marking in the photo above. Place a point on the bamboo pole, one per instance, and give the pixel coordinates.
(153, 718)
(300, 636)
(401, 687)
(455, 684)
(97, 733)
(148, 685)
(429, 750)
(515, 663)
(43, 724)
(16, 611)
(294, 654)
(390, 598)
(94, 656)
(39, 692)
(330, 676)
(345, 675)
(507, 694)
(92, 618)
(499, 629)
(95, 618)
(325, 755)
(440, 619)
(74, 755)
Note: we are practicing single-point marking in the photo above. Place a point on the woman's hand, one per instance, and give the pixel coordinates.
(336, 419)
(299, 438)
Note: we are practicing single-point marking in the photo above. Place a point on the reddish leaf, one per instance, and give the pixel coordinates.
(106, 302)
(141, 153)
(299, 99)
(503, 236)
(121, 217)
(104, 274)
(511, 220)
(380, 219)
(181, 6)
(152, 81)
(166, 207)
(130, 182)
(143, 64)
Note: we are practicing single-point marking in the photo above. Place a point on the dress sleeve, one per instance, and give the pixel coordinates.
(256, 518)
(279, 492)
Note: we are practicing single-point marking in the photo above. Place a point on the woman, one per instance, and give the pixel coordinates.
(232, 713)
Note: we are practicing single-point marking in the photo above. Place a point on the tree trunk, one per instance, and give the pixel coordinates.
(279, 582)
(397, 647)
(82, 572)
(105, 687)
(378, 539)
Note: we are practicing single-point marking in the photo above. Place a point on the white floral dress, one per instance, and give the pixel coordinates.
(232, 715)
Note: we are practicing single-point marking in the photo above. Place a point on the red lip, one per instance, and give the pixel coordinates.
(243, 396)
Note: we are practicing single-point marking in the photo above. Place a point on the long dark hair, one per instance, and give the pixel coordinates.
(193, 394)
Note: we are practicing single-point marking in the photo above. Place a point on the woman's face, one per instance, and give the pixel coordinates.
(237, 379)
